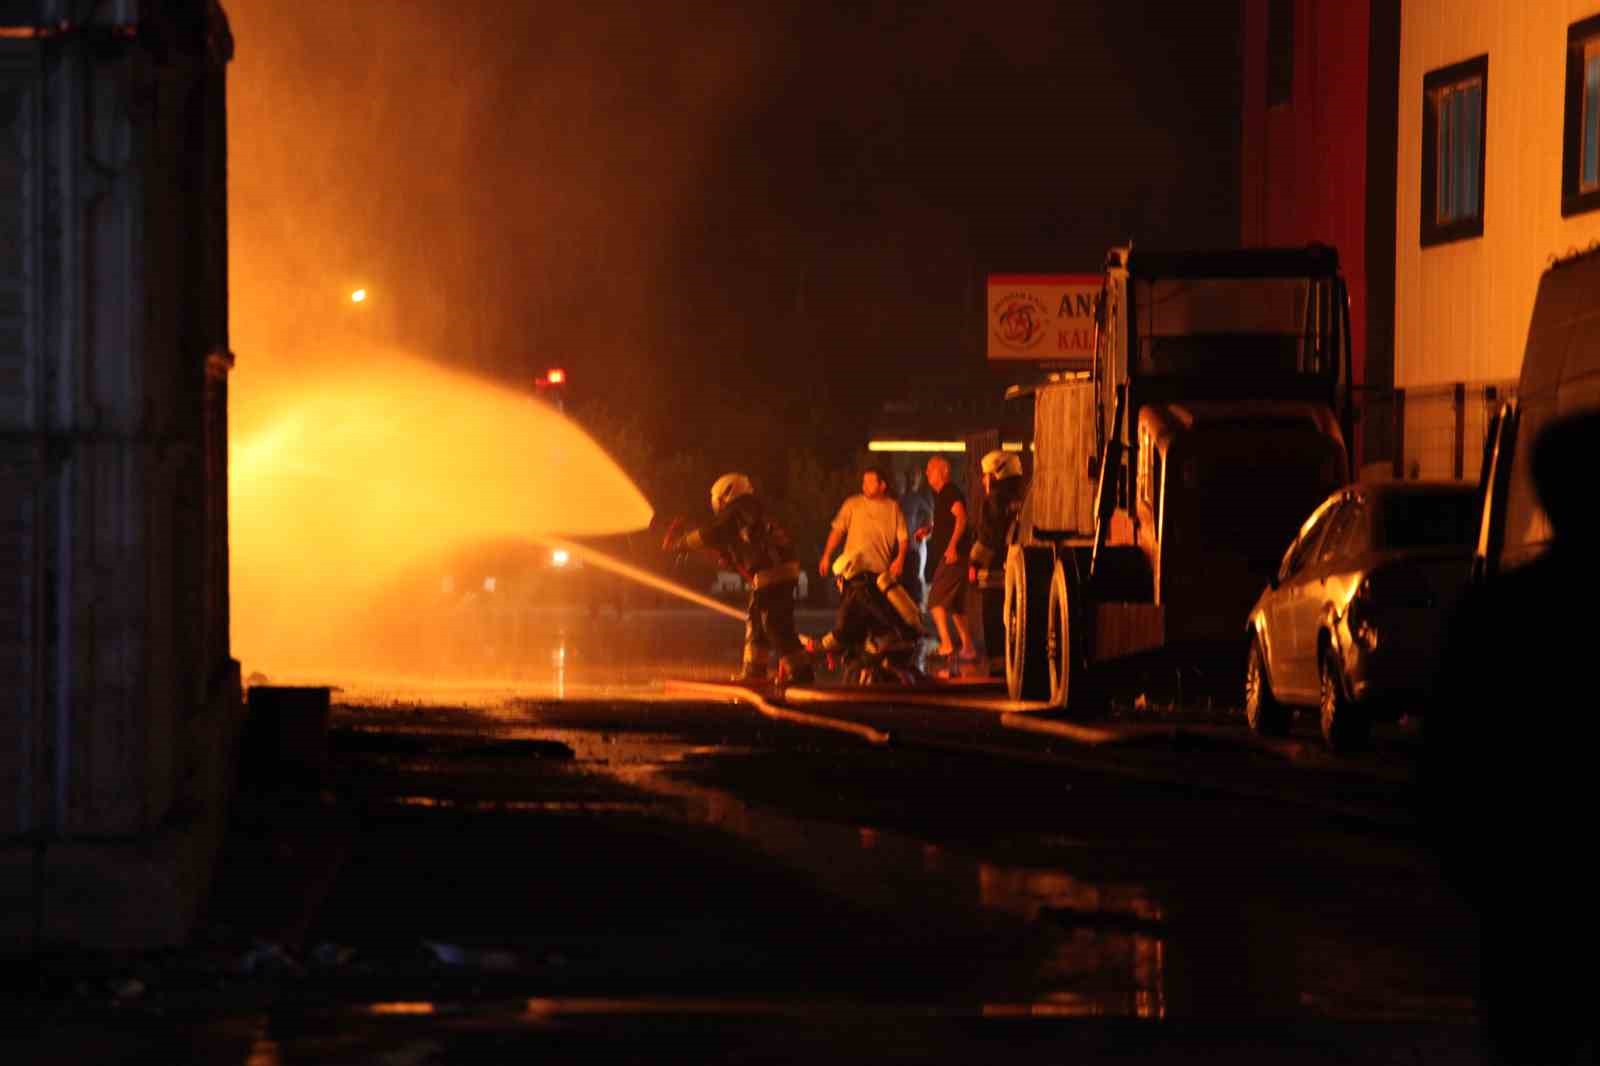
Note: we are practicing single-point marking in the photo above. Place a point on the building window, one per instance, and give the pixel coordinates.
(1580, 149)
(1280, 52)
(1454, 134)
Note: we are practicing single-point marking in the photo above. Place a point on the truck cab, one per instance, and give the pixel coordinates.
(1168, 479)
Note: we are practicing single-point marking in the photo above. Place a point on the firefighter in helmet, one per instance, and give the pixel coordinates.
(1002, 502)
(750, 541)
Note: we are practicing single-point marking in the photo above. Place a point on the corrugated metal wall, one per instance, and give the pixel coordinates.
(1305, 159)
(1318, 163)
(1062, 491)
(23, 485)
(117, 689)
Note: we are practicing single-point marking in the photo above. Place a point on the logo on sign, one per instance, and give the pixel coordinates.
(1020, 319)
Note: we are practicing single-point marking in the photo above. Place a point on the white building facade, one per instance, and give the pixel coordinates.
(1498, 170)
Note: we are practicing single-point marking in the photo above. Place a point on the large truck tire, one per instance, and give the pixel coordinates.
(1064, 637)
(1027, 616)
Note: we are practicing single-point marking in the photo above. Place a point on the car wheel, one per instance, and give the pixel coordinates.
(1261, 709)
(1344, 727)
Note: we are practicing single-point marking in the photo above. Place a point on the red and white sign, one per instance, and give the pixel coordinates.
(1044, 318)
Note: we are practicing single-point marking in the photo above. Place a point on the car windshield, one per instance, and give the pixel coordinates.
(1428, 520)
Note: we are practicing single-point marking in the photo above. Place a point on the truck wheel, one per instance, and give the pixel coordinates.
(1061, 639)
(1344, 727)
(1027, 617)
(1264, 713)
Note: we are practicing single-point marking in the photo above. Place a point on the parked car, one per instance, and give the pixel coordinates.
(1351, 622)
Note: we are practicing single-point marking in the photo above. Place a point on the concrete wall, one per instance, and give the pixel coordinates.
(1462, 308)
(118, 696)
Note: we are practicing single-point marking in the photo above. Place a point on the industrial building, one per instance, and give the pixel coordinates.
(1497, 174)
(1449, 149)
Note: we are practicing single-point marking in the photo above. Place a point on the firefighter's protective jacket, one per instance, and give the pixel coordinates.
(756, 545)
(1000, 508)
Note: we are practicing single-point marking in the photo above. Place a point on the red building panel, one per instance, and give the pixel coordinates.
(1304, 159)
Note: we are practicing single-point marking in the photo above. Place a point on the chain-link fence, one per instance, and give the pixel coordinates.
(1431, 431)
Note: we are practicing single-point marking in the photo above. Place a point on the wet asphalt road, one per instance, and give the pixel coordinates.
(561, 868)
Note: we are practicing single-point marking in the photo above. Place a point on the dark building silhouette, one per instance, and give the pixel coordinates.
(119, 699)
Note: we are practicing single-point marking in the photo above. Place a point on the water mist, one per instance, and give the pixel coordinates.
(366, 472)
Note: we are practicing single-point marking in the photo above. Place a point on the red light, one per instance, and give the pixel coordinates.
(557, 377)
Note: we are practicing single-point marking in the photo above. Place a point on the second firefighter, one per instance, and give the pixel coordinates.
(1002, 502)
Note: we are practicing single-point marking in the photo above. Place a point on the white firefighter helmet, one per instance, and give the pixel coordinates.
(1001, 464)
(727, 488)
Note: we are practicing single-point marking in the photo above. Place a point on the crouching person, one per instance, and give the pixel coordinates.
(748, 539)
(878, 627)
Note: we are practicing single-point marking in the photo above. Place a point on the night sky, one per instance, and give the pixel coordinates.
(783, 209)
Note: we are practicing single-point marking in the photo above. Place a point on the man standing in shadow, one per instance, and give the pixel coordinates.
(1509, 767)
(915, 504)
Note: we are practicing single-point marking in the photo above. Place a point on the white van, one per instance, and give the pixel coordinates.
(1560, 376)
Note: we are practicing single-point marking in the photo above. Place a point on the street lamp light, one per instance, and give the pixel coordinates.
(553, 386)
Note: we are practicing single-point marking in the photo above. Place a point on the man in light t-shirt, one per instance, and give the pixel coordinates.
(873, 529)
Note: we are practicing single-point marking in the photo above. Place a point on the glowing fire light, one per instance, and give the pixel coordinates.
(366, 470)
(359, 296)
(557, 376)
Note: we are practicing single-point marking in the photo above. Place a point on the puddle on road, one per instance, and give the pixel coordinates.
(1087, 970)
(1107, 947)
(1095, 947)
(1107, 961)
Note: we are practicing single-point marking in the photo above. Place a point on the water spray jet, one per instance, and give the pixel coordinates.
(641, 576)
